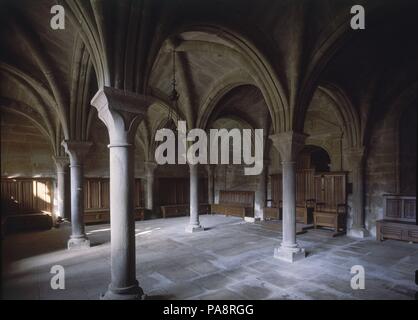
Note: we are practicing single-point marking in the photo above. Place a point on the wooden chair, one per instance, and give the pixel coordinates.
(304, 214)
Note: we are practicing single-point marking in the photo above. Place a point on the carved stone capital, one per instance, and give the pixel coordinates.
(61, 162)
(289, 144)
(122, 112)
(76, 150)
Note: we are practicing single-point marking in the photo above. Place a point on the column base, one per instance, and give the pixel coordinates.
(134, 292)
(75, 243)
(289, 254)
(191, 228)
(358, 232)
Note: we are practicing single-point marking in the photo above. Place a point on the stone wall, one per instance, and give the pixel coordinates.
(26, 152)
(232, 177)
(381, 170)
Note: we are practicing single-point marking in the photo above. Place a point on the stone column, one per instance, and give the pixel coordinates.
(356, 158)
(77, 150)
(210, 170)
(194, 224)
(260, 194)
(289, 145)
(122, 112)
(61, 164)
(149, 173)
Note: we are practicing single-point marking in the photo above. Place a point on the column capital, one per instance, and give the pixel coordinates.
(61, 162)
(150, 166)
(289, 144)
(122, 112)
(76, 150)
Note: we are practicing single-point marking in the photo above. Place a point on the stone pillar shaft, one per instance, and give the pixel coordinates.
(358, 219)
(61, 164)
(122, 112)
(210, 184)
(122, 217)
(194, 194)
(77, 150)
(356, 158)
(260, 195)
(289, 145)
(61, 194)
(149, 173)
(150, 191)
(194, 224)
(289, 204)
(77, 201)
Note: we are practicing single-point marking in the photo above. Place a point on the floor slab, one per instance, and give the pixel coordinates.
(233, 259)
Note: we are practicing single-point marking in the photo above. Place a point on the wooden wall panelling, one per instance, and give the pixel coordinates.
(174, 196)
(276, 190)
(26, 195)
(330, 188)
(304, 186)
(97, 200)
(176, 191)
(331, 200)
(245, 198)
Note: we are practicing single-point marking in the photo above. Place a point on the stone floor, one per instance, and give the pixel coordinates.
(231, 260)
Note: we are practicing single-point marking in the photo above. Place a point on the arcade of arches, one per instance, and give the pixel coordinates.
(80, 187)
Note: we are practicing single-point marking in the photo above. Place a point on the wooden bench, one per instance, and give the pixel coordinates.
(92, 216)
(304, 214)
(178, 210)
(235, 203)
(330, 217)
(274, 212)
(26, 222)
(399, 221)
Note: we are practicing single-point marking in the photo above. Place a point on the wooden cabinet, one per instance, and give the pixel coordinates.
(399, 222)
(396, 230)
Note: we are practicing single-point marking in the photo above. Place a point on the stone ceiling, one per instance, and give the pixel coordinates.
(261, 61)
